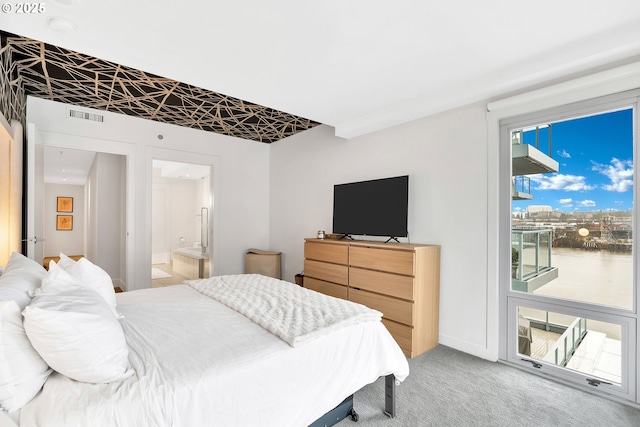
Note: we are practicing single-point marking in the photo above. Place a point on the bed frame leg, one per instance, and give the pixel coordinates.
(390, 396)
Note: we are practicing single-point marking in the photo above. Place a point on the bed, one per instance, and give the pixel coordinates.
(192, 359)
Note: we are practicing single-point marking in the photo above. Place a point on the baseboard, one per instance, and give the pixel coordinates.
(119, 284)
(470, 348)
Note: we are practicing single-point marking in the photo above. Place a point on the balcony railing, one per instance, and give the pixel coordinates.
(562, 350)
(517, 137)
(533, 268)
(521, 188)
(530, 158)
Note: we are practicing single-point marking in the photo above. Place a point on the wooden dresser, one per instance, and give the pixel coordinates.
(400, 280)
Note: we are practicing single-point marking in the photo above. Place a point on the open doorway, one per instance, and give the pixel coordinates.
(181, 220)
(84, 208)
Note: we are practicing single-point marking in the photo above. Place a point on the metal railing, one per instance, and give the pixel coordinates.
(522, 184)
(562, 350)
(517, 137)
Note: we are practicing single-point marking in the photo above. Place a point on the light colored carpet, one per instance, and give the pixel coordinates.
(156, 273)
(450, 388)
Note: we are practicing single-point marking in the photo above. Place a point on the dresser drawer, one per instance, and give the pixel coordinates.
(329, 252)
(325, 271)
(326, 288)
(392, 261)
(403, 335)
(382, 283)
(391, 308)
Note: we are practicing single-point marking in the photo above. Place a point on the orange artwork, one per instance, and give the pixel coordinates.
(64, 222)
(65, 204)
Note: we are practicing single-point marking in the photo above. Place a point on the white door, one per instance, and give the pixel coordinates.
(35, 194)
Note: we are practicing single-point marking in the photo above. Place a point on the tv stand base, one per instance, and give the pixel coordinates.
(347, 236)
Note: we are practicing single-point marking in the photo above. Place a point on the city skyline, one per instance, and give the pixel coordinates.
(595, 156)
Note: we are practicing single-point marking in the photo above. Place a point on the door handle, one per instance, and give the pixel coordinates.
(35, 240)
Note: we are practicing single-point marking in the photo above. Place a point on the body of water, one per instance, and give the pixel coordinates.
(598, 277)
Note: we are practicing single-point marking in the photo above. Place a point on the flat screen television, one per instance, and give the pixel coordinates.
(377, 207)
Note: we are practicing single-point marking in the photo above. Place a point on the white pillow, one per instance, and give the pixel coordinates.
(20, 278)
(90, 276)
(75, 332)
(65, 262)
(56, 280)
(22, 370)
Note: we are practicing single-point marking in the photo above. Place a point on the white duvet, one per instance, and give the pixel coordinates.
(199, 363)
(290, 312)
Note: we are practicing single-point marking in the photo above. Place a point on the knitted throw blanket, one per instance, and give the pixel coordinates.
(294, 314)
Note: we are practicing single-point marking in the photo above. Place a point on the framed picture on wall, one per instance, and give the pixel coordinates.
(64, 222)
(65, 204)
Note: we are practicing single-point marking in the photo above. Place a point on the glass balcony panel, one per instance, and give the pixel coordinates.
(531, 247)
(544, 250)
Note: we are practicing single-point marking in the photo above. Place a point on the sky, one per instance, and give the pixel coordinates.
(596, 165)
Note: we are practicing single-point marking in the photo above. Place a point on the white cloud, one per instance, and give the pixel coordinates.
(566, 202)
(559, 181)
(564, 153)
(586, 203)
(620, 172)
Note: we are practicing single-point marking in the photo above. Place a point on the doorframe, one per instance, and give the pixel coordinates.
(33, 190)
(128, 150)
(156, 153)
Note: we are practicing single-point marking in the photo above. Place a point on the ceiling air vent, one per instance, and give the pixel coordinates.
(77, 114)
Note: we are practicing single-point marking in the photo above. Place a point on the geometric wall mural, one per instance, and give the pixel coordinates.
(13, 101)
(57, 74)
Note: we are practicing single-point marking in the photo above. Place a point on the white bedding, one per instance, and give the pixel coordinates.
(199, 363)
(289, 312)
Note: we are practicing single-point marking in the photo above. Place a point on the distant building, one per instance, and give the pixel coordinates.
(538, 208)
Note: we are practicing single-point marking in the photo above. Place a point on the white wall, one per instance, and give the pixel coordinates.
(91, 240)
(105, 230)
(69, 242)
(445, 157)
(241, 178)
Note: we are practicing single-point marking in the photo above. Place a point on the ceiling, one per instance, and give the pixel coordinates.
(62, 75)
(177, 170)
(66, 165)
(358, 66)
